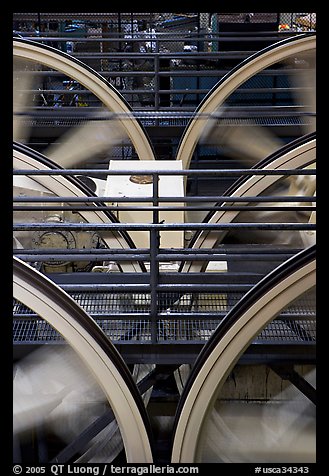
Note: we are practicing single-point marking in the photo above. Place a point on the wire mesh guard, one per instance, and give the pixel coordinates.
(125, 318)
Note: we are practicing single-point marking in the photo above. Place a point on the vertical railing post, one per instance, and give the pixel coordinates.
(156, 75)
(154, 264)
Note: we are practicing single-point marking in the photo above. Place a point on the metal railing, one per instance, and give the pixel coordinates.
(162, 305)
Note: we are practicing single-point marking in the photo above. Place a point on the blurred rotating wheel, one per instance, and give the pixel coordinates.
(299, 154)
(210, 425)
(92, 137)
(25, 158)
(252, 143)
(48, 383)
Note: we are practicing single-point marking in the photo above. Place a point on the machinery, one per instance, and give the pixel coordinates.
(163, 307)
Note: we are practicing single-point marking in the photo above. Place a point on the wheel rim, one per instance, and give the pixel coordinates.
(51, 303)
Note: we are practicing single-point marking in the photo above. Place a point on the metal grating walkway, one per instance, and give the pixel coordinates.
(295, 324)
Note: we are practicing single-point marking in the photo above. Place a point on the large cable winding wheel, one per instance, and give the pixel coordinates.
(97, 354)
(284, 433)
(254, 142)
(31, 52)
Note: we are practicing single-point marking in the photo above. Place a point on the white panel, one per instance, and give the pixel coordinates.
(169, 186)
